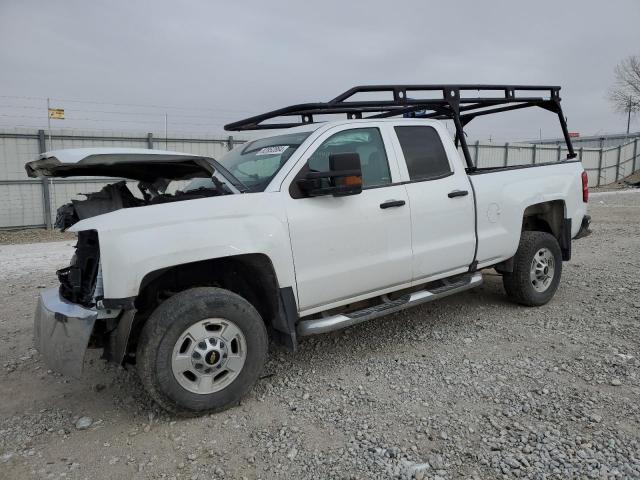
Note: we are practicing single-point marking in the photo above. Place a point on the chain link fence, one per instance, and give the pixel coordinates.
(27, 203)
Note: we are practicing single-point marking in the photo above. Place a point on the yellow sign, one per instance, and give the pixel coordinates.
(56, 113)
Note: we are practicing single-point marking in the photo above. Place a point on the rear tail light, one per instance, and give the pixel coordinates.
(585, 187)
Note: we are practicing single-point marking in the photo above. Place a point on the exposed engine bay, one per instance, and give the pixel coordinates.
(161, 176)
(80, 282)
(115, 196)
(155, 171)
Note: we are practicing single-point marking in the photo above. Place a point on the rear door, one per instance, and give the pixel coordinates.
(441, 200)
(350, 247)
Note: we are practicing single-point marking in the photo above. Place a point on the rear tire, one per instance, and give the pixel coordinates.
(201, 351)
(537, 268)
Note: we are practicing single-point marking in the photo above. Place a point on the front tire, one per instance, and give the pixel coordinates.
(537, 268)
(201, 351)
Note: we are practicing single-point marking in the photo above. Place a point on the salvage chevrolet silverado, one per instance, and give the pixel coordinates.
(310, 229)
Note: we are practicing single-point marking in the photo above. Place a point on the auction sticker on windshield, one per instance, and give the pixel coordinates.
(273, 150)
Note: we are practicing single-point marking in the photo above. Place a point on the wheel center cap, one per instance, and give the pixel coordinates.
(209, 354)
(212, 357)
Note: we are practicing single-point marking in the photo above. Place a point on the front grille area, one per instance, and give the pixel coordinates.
(78, 280)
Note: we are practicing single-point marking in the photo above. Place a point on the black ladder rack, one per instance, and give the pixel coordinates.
(449, 102)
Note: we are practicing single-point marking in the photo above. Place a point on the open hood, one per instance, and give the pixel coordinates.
(131, 163)
(155, 171)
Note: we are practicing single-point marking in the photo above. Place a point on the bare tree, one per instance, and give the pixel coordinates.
(624, 95)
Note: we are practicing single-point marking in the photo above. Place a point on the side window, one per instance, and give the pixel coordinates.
(423, 151)
(367, 142)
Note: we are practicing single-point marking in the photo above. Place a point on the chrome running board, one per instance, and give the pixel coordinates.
(336, 322)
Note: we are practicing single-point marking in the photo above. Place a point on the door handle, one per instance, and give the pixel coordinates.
(458, 193)
(392, 203)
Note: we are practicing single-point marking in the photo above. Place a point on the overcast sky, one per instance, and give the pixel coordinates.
(220, 61)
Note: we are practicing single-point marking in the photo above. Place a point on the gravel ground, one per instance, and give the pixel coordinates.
(30, 235)
(468, 387)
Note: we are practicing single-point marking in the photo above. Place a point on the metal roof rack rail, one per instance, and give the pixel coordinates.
(449, 102)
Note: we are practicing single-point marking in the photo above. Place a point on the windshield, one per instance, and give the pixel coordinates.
(256, 163)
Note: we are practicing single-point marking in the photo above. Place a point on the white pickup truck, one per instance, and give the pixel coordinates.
(301, 232)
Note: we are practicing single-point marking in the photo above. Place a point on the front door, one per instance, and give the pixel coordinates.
(352, 246)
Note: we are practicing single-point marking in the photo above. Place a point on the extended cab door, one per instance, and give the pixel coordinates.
(441, 200)
(351, 246)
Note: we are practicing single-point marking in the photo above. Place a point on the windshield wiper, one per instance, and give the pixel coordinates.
(235, 181)
(241, 186)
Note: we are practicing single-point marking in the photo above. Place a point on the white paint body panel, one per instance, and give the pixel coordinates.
(443, 237)
(503, 196)
(95, 155)
(344, 247)
(347, 246)
(137, 241)
(338, 250)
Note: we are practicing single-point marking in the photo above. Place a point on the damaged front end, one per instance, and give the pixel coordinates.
(161, 177)
(62, 330)
(76, 316)
(116, 196)
(78, 280)
(113, 196)
(66, 316)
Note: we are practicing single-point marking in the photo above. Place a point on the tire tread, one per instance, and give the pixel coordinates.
(517, 283)
(150, 366)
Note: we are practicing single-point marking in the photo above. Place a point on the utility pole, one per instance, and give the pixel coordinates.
(165, 131)
(49, 121)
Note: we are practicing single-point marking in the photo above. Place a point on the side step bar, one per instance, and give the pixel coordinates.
(336, 322)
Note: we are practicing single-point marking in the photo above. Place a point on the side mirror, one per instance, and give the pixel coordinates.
(343, 178)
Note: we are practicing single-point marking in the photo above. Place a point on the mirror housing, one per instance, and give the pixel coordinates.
(344, 177)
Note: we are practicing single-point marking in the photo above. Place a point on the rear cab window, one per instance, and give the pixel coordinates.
(423, 152)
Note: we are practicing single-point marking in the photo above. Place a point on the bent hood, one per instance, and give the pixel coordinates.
(132, 163)
(153, 217)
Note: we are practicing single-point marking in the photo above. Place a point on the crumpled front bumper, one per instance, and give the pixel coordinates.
(61, 332)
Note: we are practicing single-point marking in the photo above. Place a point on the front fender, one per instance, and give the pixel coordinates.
(137, 241)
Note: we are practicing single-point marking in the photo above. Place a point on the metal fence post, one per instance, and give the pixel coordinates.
(580, 152)
(559, 152)
(477, 152)
(635, 154)
(506, 154)
(230, 143)
(150, 141)
(600, 164)
(533, 155)
(618, 162)
(46, 199)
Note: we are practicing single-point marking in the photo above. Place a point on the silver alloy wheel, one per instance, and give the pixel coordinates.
(209, 355)
(542, 269)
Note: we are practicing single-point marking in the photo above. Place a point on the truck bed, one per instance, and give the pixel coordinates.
(503, 194)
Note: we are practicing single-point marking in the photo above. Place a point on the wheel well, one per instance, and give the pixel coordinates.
(550, 217)
(544, 217)
(251, 276)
